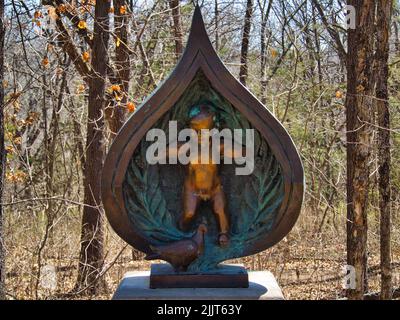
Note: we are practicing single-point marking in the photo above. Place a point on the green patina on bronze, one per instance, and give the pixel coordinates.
(153, 193)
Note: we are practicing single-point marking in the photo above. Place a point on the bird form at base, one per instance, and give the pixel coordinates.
(180, 254)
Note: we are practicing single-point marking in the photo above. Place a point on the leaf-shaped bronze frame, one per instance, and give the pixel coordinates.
(200, 54)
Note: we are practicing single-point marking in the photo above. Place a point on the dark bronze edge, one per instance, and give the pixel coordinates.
(297, 188)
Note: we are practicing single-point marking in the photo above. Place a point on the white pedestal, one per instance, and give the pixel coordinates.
(262, 286)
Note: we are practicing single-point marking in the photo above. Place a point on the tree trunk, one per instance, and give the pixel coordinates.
(91, 254)
(264, 47)
(245, 42)
(122, 64)
(2, 152)
(216, 25)
(116, 113)
(359, 133)
(176, 16)
(384, 158)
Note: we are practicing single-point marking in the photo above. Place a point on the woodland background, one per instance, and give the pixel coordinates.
(73, 71)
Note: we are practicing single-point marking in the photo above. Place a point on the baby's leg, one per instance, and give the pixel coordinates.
(190, 203)
(219, 205)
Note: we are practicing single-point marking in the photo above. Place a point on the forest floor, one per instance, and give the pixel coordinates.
(306, 264)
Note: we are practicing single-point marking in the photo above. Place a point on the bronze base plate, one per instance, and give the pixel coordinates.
(163, 276)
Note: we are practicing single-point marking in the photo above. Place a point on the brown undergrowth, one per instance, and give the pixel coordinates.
(306, 264)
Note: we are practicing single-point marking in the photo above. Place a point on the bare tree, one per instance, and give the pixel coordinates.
(91, 254)
(177, 27)
(245, 42)
(116, 115)
(216, 24)
(384, 158)
(2, 151)
(264, 44)
(333, 32)
(359, 132)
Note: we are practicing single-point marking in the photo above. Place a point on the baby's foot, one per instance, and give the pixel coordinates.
(223, 239)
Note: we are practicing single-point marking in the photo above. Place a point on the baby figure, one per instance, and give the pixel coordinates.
(202, 182)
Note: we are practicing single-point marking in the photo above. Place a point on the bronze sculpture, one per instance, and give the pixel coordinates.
(145, 203)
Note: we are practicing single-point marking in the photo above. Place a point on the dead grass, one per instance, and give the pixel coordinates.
(307, 265)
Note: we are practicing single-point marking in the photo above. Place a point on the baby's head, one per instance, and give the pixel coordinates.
(201, 116)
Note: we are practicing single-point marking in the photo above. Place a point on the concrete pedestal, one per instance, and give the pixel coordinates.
(135, 286)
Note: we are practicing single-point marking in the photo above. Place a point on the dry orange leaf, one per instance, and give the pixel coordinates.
(62, 8)
(80, 89)
(274, 53)
(339, 94)
(10, 177)
(82, 25)
(18, 176)
(86, 56)
(111, 10)
(131, 107)
(115, 87)
(122, 10)
(38, 14)
(45, 62)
